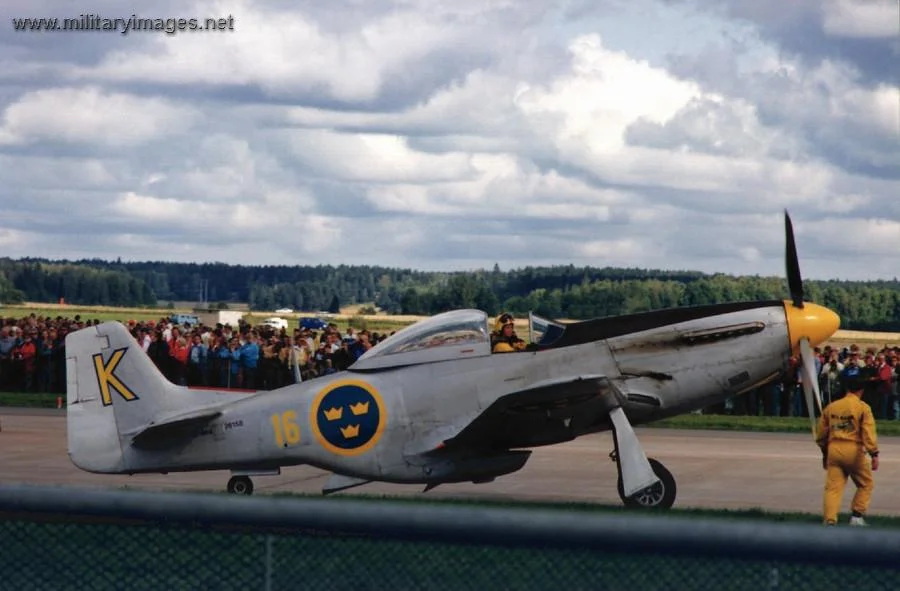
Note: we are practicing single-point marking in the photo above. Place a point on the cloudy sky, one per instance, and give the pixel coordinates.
(443, 134)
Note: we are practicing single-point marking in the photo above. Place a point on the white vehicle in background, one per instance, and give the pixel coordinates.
(276, 323)
(284, 311)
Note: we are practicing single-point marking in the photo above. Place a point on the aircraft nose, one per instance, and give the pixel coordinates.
(816, 323)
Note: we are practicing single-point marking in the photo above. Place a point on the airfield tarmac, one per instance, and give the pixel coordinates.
(713, 469)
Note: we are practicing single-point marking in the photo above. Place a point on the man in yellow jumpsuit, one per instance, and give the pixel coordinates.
(846, 434)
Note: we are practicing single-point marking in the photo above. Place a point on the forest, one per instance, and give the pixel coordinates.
(563, 291)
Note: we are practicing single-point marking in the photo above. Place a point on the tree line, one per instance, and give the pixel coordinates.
(562, 291)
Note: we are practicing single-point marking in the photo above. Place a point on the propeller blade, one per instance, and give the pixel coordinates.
(792, 263)
(810, 382)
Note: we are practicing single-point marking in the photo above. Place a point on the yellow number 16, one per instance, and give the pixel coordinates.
(286, 430)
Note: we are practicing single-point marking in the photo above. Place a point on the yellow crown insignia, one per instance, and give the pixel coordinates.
(334, 414)
(350, 431)
(360, 408)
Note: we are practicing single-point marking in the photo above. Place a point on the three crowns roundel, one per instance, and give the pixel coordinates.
(348, 417)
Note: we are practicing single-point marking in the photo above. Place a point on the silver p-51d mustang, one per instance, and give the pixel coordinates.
(432, 404)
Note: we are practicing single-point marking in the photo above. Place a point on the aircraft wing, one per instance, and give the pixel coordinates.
(523, 410)
(165, 431)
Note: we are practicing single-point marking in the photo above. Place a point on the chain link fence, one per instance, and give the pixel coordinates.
(247, 546)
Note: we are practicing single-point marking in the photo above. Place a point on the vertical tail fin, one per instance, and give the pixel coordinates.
(113, 391)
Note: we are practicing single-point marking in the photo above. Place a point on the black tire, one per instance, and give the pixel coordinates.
(659, 496)
(240, 485)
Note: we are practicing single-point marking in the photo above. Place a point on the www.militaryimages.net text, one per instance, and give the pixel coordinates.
(96, 22)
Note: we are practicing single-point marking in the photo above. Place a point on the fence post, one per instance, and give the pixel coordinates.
(268, 586)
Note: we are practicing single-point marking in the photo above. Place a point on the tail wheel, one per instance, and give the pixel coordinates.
(240, 485)
(658, 496)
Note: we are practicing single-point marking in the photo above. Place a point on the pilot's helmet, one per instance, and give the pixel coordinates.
(504, 320)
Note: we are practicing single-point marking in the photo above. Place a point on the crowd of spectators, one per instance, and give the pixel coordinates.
(32, 359)
(32, 352)
(879, 368)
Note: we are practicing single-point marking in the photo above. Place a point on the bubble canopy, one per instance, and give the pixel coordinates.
(458, 334)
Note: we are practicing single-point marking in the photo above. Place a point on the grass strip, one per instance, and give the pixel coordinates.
(30, 399)
(754, 424)
(104, 314)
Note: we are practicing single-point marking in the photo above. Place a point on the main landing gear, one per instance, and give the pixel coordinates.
(642, 483)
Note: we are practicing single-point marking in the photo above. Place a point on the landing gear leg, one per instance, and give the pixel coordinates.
(240, 485)
(642, 483)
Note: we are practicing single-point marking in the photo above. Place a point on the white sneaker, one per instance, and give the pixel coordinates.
(858, 521)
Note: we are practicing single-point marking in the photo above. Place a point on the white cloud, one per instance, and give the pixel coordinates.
(873, 237)
(877, 109)
(604, 92)
(224, 167)
(233, 219)
(477, 105)
(825, 114)
(861, 18)
(836, 88)
(90, 116)
(502, 188)
(43, 173)
(167, 211)
(375, 158)
(612, 250)
(285, 53)
(11, 238)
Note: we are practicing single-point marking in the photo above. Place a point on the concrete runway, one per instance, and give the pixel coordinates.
(713, 469)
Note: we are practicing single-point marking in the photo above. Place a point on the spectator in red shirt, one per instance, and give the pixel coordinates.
(179, 352)
(884, 386)
(24, 355)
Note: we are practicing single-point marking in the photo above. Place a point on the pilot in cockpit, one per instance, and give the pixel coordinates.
(504, 338)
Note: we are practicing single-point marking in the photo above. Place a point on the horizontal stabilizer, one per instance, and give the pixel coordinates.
(339, 482)
(161, 433)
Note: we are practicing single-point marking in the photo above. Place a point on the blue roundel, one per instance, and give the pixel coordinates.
(348, 417)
